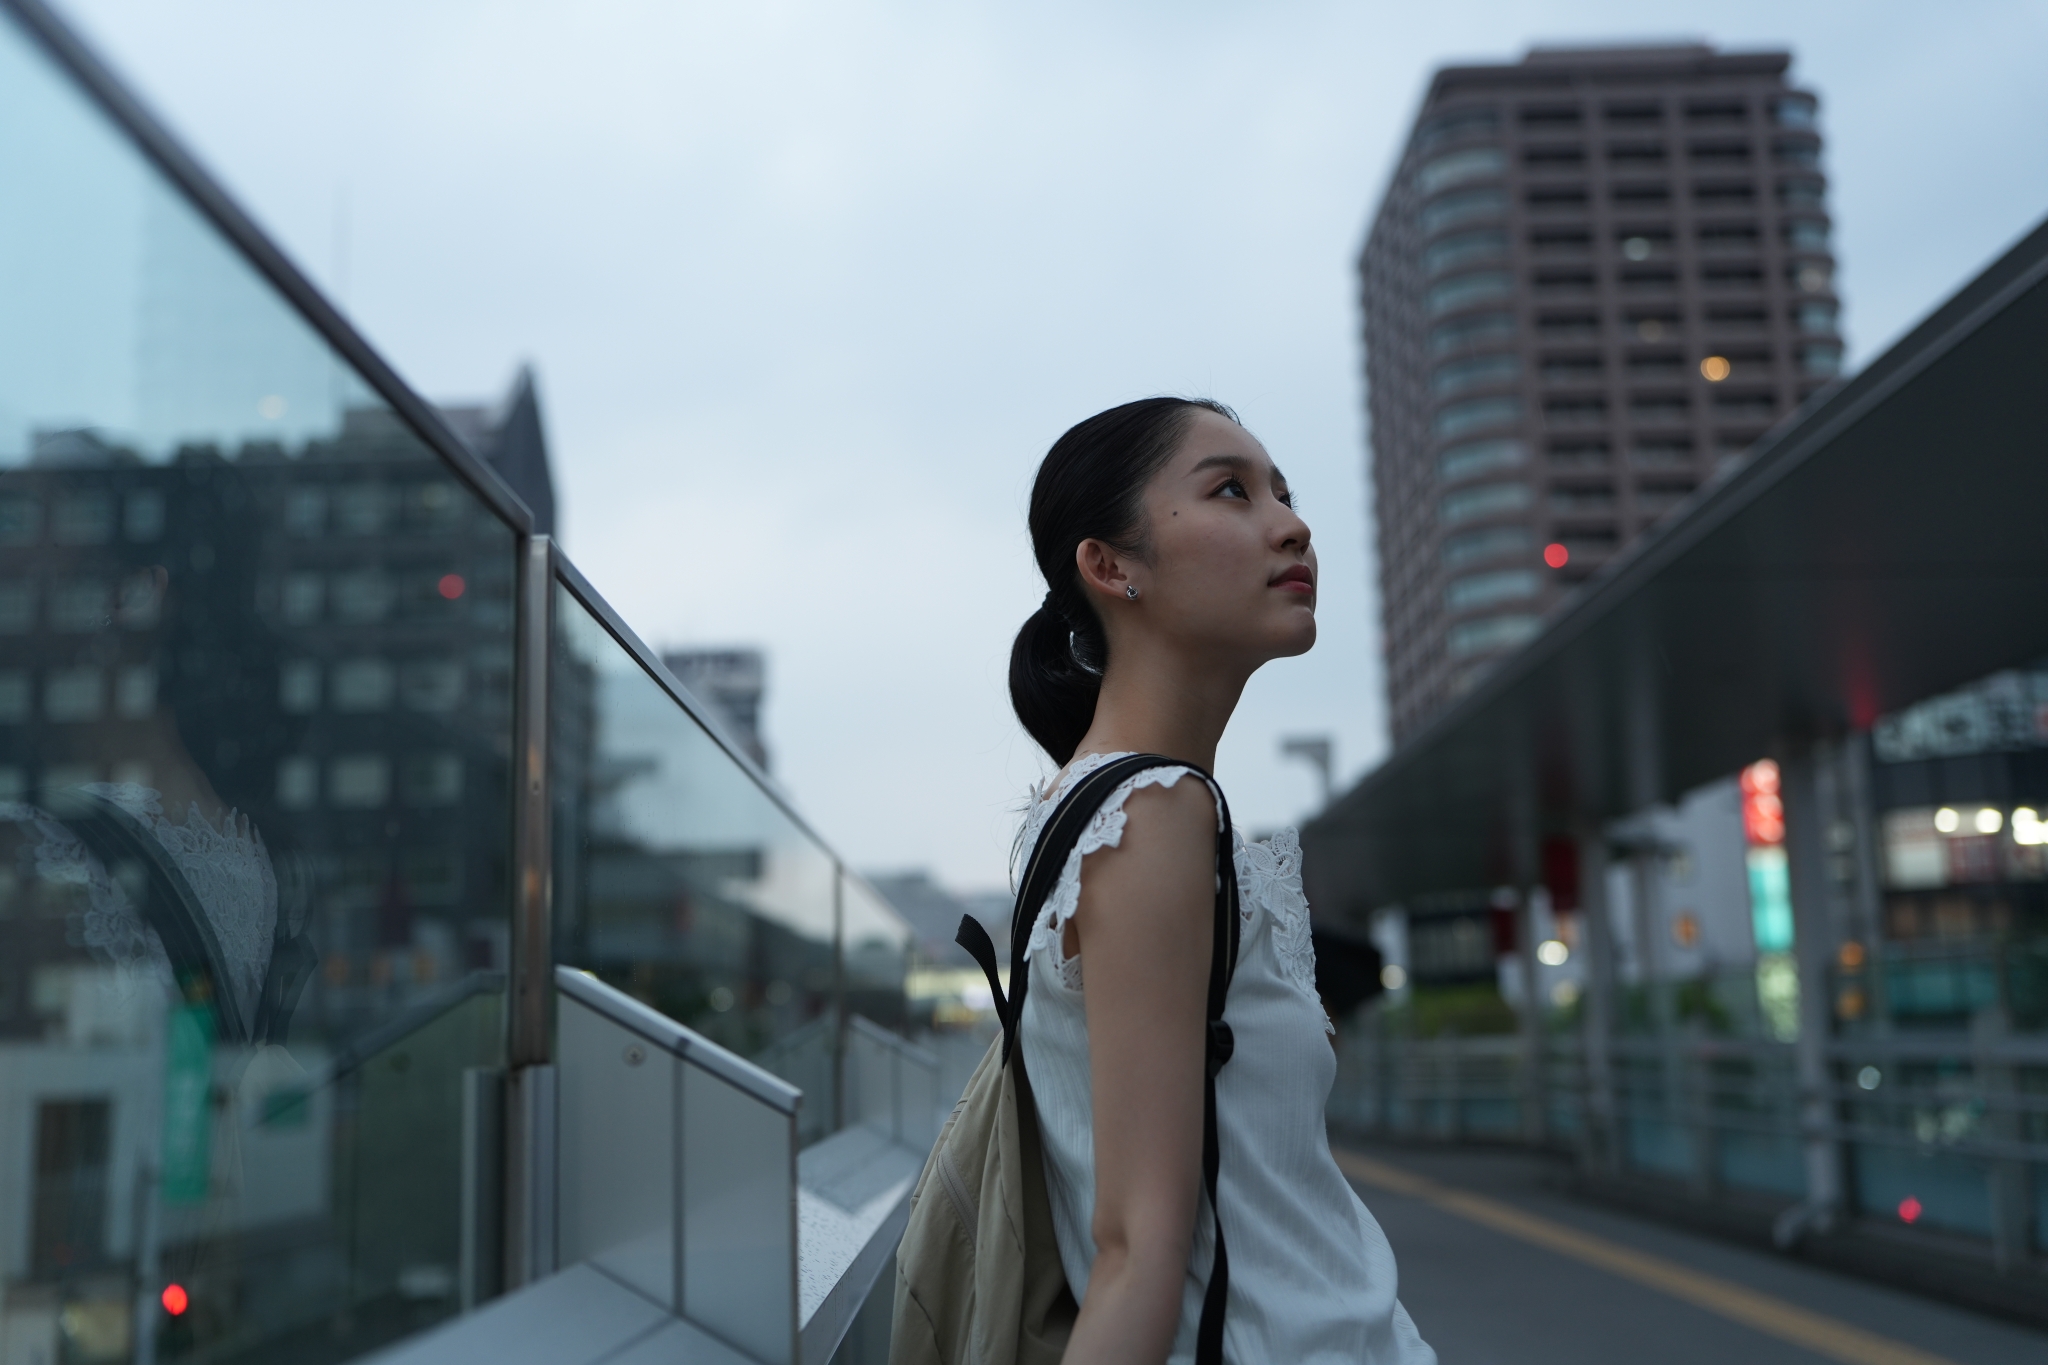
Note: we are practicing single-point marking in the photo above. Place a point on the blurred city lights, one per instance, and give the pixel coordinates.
(175, 1299)
(1716, 368)
(1636, 248)
(2027, 827)
(1909, 1209)
(1565, 994)
(1556, 555)
(1552, 952)
(1763, 810)
(1947, 821)
(1870, 1078)
(452, 586)
(1850, 956)
(1393, 977)
(1988, 821)
(1685, 929)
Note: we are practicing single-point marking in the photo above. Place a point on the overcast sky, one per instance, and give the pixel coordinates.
(811, 288)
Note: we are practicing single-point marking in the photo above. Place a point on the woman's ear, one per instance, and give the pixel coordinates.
(1103, 570)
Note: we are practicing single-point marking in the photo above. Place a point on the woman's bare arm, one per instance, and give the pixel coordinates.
(1144, 931)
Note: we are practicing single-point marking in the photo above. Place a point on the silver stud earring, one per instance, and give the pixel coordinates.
(1131, 591)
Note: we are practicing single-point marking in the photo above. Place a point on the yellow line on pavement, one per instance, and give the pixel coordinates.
(1816, 1332)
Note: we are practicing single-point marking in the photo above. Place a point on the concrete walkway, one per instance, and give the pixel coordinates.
(1498, 1268)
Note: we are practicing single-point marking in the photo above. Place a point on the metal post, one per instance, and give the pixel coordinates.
(1814, 934)
(529, 1143)
(1601, 1138)
(530, 1022)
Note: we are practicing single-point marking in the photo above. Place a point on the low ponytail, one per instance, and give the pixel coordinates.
(1089, 487)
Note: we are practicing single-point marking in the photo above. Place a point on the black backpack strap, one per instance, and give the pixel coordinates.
(1048, 859)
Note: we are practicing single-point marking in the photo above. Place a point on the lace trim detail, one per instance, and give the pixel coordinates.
(1105, 830)
(1270, 874)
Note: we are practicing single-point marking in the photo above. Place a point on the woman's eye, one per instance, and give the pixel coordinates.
(1232, 488)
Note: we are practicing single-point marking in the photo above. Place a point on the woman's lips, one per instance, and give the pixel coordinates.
(1297, 580)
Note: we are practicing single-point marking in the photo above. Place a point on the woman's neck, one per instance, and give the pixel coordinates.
(1158, 704)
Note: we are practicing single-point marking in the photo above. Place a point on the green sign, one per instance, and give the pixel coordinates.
(188, 1106)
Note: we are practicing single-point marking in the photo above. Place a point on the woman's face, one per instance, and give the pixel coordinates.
(1231, 570)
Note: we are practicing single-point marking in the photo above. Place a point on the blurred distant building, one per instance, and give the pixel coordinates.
(731, 682)
(508, 437)
(1597, 275)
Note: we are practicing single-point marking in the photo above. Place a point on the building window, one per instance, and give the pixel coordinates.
(77, 607)
(1487, 500)
(1665, 453)
(82, 519)
(1554, 158)
(1478, 372)
(1488, 634)
(1655, 499)
(1466, 206)
(1795, 111)
(1456, 168)
(142, 515)
(1634, 115)
(1659, 408)
(1561, 326)
(14, 695)
(1582, 499)
(363, 685)
(1821, 359)
(1490, 589)
(300, 596)
(298, 687)
(1636, 156)
(1482, 329)
(1494, 542)
(1466, 290)
(1572, 369)
(1543, 117)
(1801, 194)
(1474, 413)
(363, 596)
(21, 521)
(359, 781)
(1725, 238)
(362, 509)
(1803, 154)
(1568, 412)
(1806, 234)
(1713, 112)
(1480, 457)
(1640, 196)
(135, 691)
(431, 685)
(17, 608)
(1815, 317)
(1578, 455)
(1453, 124)
(298, 783)
(1556, 199)
(1464, 248)
(75, 694)
(432, 780)
(1723, 196)
(305, 511)
(141, 603)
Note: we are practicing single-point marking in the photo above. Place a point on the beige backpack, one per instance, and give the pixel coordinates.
(978, 1275)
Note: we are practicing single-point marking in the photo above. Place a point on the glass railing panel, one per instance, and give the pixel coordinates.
(679, 878)
(255, 698)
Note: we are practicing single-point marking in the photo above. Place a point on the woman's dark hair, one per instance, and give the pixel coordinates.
(1089, 488)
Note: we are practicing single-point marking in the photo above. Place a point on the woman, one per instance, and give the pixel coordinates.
(1176, 566)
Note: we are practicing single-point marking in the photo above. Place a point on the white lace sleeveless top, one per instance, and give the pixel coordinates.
(1311, 1275)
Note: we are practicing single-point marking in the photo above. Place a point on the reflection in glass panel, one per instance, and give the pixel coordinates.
(255, 652)
(678, 878)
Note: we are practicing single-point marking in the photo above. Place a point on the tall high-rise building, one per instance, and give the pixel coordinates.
(1597, 275)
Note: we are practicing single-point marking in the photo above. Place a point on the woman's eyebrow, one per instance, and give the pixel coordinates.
(1237, 462)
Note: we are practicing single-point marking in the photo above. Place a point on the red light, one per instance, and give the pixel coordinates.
(1556, 555)
(1909, 1209)
(452, 586)
(176, 1300)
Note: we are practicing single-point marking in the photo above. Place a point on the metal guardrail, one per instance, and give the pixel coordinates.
(1717, 1113)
